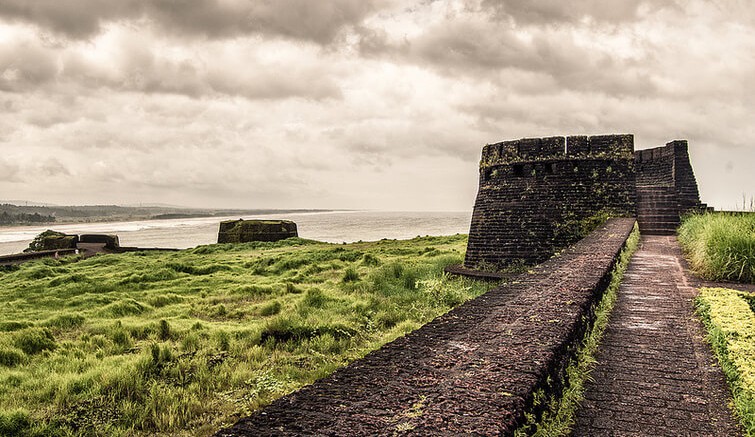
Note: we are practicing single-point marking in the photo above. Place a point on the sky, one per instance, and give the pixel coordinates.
(357, 104)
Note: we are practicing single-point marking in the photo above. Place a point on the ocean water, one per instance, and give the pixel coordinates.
(334, 227)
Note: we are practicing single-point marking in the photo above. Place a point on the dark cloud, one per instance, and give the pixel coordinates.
(24, 66)
(573, 11)
(300, 19)
(475, 47)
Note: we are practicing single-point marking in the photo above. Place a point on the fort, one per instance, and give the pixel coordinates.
(494, 364)
(536, 193)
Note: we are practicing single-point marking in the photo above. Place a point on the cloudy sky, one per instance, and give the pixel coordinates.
(375, 104)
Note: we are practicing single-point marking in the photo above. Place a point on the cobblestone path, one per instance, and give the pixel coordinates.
(655, 375)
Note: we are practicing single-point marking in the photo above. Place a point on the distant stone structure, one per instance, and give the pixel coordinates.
(52, 240)
(110, 241)
(244, 231)
(536, 193)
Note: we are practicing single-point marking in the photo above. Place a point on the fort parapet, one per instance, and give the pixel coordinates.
(536, 194)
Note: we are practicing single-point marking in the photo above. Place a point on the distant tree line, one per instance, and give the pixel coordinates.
(7, 218)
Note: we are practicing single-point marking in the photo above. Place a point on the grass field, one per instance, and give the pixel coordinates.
(729, 317)
(183, 343)
(720, 246)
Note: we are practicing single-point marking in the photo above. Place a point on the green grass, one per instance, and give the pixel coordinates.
(730, 321)
(182, 343)
(720, 246)
(560, 414)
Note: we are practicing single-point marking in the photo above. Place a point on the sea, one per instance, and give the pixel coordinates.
(333, 227)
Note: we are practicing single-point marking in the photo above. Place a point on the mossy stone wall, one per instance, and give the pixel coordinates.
(534, 192)
(244, 231)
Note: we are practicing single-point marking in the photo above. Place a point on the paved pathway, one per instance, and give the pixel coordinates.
(655, 375)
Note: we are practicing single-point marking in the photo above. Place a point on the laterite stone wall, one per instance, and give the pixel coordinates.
(244, 231)
(535, 192)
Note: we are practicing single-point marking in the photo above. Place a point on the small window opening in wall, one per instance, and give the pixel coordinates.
(518, 170)
(549, 168)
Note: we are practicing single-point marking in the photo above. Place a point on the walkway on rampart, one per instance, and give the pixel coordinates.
(655, 375)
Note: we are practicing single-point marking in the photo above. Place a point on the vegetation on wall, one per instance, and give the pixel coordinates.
(720, 246)
(182, 343)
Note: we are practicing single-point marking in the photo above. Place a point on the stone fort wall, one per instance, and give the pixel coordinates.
(535, 193)
(669, 167)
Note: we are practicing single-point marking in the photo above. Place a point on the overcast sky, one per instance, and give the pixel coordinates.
(375, 104)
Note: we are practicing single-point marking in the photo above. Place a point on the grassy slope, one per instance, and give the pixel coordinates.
(181, 343)
(720, 246)
(730, 319)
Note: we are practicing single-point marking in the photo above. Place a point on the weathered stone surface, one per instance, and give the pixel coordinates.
(666, 187)
(110, 241)
(655, 374)
(244, 231)
(472, 371)
(534, 191)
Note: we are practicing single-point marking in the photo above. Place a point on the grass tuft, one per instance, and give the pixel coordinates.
(720, 246)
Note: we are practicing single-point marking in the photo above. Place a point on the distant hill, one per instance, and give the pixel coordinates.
(26, 213)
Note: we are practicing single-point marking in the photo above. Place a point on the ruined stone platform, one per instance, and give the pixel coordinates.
(655, 374)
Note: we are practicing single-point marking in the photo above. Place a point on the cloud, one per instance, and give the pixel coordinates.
(127, 60)
(319, 22)
(26, 66)
(379, 104)
(554, 11)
